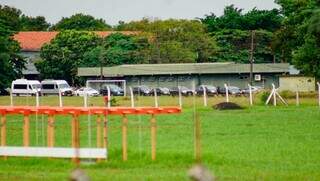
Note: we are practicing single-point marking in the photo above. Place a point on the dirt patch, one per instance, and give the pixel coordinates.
(227, 106)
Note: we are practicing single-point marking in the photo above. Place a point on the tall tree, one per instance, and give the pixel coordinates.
(29, 23)
(9, 17)
(11, 64)
(182, 35)
(232, 32)
(81, 22)
(65, 53)
(117, 49)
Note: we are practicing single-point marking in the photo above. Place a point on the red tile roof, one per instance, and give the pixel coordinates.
(34, 40)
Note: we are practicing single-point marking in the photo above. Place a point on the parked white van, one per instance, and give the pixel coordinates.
(53, 87)
(25, 87)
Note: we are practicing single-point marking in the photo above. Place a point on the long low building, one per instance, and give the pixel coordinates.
(170, 75)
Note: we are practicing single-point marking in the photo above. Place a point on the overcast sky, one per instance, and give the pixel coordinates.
(112, 11)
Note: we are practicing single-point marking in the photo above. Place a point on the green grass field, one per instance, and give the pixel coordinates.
(256, 143)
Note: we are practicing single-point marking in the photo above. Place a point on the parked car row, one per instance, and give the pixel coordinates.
(210, 90)
(47, 87)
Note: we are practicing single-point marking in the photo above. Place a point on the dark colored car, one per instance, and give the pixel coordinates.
(232, 90)
(163, 91)
(210, 90)
(184, 91)
(114, 90)
(142, 90)
(4, 92)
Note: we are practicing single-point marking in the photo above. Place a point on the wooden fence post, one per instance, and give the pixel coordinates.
(153, 122)
(75, 129)
(26, 127)
(50, 131)
(3, 130)
(124, 138)
(105, 132)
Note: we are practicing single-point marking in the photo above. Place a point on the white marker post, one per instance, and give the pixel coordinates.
(85, 99)
(180, 97)
(11, 96)
(274, 95)
(131, 96)
(60, 98)
(204, 96)
(250, 94)
(297, 97)
(155, 97)
(227, 92)
(318, 93)
(109, 95)
(37, 99)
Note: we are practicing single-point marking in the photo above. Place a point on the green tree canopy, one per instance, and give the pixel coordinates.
(117, 49)
(233, 18)
(9, 17)
(11, 64)
(188, 36)
(65, 53)
(29, 23)
(81, 22)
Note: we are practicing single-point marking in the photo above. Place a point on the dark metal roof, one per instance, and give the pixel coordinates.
(185, 68)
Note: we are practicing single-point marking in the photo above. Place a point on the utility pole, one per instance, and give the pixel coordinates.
(251, 57)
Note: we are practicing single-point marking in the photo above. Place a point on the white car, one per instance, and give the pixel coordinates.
(25, 87)
(90, 91)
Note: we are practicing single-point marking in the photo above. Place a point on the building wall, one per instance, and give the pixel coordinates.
(300, 83)
(239, 80)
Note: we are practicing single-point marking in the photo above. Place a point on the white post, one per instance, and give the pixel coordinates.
(204, 96)
(155, 97)
(250, 94)
(124, 88)
(274, 95)
(11, 96)
(37, 99)
(227, 92)
(109, 103)
(60, 98)
(132, 98)
(85, 99)
(180, 97)
(270, 96)
(297, 97)
(318, 93)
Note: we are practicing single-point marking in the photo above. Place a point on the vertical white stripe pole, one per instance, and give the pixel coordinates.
(132, 98)
(37, 99)
(204, 96)
(180, 97)
(155, 97)
(274, 95)
(11, 96)
(250, 94)
(318, 93)
(60, 98)
(124, 88)
(227, 92)
(109, 101)
(85, 99)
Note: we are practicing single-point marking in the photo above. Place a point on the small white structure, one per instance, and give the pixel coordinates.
(274, 93)
(25, 87)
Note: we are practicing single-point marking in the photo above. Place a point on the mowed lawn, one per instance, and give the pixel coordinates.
(256, 143)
